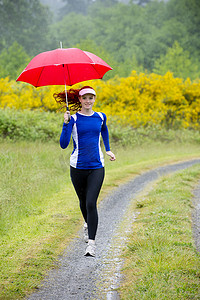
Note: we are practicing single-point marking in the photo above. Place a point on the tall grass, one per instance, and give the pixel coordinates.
(161, 259)
(39, 211)
(30, 174)
(39, 208)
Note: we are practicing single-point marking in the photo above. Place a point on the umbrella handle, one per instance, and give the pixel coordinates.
(66, 91)
(66, 100)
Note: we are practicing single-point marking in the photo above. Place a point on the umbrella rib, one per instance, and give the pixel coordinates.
(69, 75)
(39, 77)
(66, 67)
(96, 71)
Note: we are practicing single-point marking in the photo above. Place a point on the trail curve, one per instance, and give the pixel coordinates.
(83, 278)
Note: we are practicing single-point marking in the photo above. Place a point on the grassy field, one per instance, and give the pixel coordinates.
(39, 209)
(161, 261)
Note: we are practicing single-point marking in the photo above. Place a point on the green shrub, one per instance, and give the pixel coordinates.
(30, 125)
(45, 126)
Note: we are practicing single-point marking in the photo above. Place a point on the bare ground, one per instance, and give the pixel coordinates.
(196, 217)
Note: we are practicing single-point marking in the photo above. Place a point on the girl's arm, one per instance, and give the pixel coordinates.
(66, 134)
(105, 136)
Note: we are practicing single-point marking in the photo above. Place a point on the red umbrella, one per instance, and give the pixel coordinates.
(63, 67)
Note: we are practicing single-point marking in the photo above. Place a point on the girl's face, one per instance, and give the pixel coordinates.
(87, 101)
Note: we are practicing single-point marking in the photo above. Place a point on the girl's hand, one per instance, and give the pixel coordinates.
(67, 117)
(112, 156)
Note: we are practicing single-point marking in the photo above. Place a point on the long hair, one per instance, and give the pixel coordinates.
(72, 98)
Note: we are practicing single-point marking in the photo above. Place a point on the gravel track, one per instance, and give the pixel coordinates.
(81, 278)
(196, 217)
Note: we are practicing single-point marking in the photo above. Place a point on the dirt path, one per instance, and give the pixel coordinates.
(196, 217)
(80, 277)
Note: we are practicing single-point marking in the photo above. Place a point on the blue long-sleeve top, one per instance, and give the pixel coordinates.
(86, 132)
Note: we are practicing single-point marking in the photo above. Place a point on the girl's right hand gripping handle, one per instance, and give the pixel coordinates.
(67, 116)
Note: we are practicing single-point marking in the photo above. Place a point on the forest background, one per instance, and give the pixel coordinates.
(153, 47)
(151, 36)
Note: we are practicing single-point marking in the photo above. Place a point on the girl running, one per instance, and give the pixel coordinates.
(86, 161)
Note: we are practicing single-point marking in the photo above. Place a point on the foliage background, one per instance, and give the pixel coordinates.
(140, 100)
(140, 35)
(153, 47)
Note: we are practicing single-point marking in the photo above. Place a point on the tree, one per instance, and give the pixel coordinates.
(70, 30)
(125, 31)
(113, 27)
(12, 61)
(76, 6)
(106, 3)
(134, 35)
(91, 46)
(26, 22)
(141, 2)
(178, 62)
(187, 12)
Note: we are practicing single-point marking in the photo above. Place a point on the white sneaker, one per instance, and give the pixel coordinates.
(85, 232)
(91, 247)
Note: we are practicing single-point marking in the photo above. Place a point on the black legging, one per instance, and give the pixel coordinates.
(87, 184)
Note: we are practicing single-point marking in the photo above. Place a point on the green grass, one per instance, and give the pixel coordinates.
(161, 261)
(39, 208)
(39, 213)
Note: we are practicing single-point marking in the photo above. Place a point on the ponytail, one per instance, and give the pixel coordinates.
(72, 98)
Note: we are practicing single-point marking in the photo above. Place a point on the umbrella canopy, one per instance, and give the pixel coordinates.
(63, 67)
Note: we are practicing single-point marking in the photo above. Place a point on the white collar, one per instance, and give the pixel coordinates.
(85, 115)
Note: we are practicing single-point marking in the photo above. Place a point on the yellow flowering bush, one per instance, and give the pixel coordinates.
(139, 100)
(24, 96)
(142, 100)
